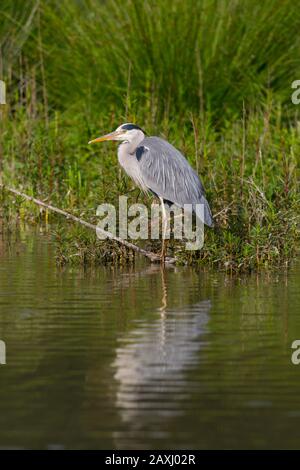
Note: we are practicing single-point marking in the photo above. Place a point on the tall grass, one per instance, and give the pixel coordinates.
(173, 56)
(212, 76)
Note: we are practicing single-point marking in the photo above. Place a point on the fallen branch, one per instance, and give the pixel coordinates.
(148, 254)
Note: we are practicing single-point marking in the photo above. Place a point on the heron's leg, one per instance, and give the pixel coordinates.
(138, 195)
(164, 229)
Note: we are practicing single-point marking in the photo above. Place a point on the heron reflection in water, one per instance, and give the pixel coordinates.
(152, 362)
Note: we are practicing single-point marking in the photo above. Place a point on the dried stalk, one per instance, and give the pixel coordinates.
(148, 254)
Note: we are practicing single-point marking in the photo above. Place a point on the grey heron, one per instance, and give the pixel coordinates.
(156, 166)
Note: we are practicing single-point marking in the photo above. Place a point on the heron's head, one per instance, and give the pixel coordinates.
(125, 133)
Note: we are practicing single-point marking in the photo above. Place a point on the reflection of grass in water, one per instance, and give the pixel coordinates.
(181, 69)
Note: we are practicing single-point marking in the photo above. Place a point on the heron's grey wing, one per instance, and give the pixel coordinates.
(167, 173)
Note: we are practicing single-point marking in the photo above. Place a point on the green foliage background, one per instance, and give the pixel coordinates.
(212, 76)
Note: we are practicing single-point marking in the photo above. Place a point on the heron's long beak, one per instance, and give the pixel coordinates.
(112, 136)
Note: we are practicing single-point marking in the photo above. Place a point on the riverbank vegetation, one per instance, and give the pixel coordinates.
(212, 77)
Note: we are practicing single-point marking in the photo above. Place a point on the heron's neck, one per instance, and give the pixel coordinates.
(131, 146)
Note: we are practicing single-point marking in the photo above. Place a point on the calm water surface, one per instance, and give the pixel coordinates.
(143, 358)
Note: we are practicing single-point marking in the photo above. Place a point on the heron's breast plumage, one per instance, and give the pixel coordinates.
(130, 164)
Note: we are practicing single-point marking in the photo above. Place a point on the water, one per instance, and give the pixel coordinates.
(144, 358)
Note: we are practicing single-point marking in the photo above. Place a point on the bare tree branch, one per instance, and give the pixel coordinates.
(148, 254)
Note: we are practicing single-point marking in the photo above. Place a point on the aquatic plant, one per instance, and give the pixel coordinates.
(213, 77)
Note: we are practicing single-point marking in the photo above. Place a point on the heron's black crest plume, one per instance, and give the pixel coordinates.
(129, 127)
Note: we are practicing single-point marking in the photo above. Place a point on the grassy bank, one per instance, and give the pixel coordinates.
(212, 77)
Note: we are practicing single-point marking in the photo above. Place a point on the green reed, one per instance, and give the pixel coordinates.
(212, 76)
